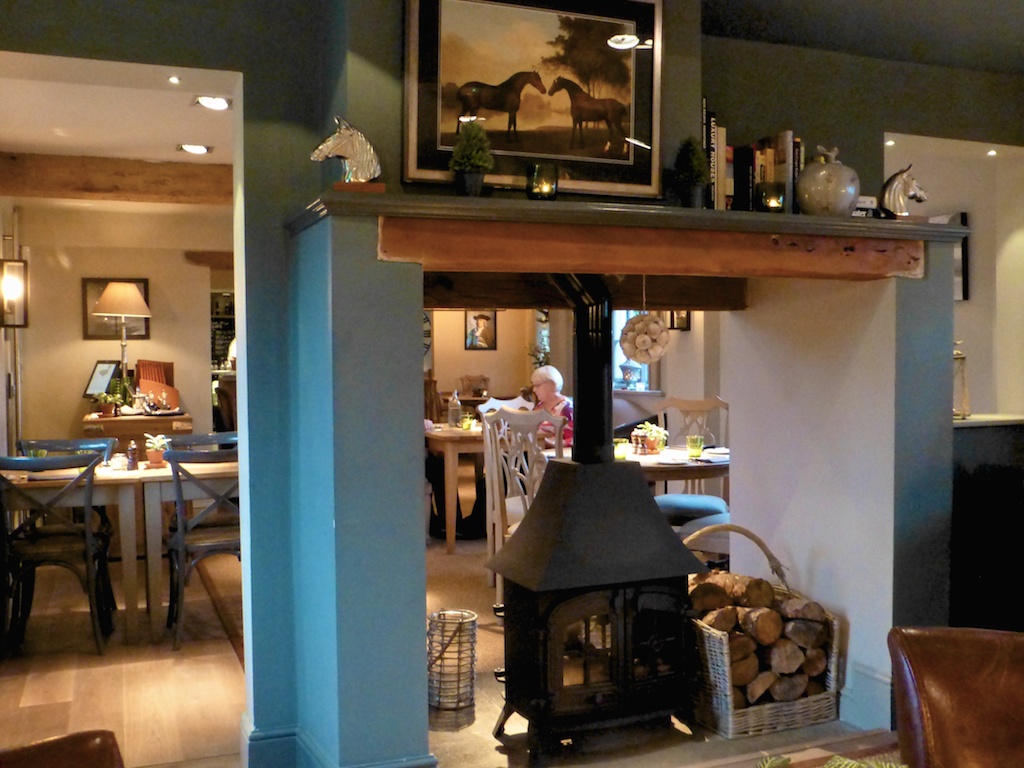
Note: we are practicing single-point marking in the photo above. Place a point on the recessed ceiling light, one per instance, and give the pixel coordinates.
(195, 149)
(890, 143)
(992, 153)
(174, 80)
(216, 103)
(623, 42)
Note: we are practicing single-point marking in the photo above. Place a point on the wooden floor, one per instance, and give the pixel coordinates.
(166, 707)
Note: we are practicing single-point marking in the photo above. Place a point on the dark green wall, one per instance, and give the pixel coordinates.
(833, 99)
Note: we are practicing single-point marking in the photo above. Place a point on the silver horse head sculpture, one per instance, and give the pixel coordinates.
(359, 159)
(899, 189)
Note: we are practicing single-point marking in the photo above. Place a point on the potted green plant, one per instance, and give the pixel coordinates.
(691, 173)
(471, 159)
(155, 447)
(108, 402)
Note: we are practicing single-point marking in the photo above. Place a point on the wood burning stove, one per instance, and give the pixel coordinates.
(596, 603)
(596, 610)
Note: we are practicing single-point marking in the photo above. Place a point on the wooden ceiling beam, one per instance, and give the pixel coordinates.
(448, 245)
(515, 290)
(106, 178)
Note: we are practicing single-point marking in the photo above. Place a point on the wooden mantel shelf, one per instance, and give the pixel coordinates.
(453, 235)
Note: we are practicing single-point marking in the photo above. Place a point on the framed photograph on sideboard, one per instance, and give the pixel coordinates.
(568, 82)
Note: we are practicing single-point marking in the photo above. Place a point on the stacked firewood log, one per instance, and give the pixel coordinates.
(778, 648)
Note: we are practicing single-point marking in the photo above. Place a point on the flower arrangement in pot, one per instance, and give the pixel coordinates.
(471, 159)
(652, 437)
(155, 447)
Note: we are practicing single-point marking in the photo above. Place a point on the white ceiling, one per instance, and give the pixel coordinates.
(63, 106)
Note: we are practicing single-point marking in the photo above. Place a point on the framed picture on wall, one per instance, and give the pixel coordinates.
(481, 329)
(567, 82)
(95, 327)
(679, 320)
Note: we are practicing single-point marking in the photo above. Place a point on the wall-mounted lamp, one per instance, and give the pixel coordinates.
(122, 300)
(14, 291)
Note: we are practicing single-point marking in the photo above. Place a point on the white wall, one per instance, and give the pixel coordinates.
(808, 371)
(69, 244)
(960, 176)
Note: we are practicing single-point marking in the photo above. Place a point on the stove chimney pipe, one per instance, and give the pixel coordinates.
(592, 346)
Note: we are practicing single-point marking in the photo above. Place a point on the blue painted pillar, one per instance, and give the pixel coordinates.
(357, 525)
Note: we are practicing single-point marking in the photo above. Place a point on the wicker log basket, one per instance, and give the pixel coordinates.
(714, 701)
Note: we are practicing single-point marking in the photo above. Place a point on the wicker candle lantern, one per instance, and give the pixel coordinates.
(961, 397)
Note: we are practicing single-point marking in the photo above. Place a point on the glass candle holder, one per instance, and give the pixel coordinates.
(771, 196)
(542, 181)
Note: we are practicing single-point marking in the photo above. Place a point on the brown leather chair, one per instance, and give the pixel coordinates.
(86, 749)
(959, 696)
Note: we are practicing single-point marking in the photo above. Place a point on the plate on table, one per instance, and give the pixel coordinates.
(717, 451)
(673, 460)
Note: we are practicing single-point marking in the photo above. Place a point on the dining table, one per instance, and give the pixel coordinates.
(450, 443)
(145, 488)
(674, 463)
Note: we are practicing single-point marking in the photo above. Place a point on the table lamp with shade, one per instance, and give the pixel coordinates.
(121, 301)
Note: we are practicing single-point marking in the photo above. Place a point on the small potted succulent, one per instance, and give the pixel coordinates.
(691, 173)
(471, 159)
(155, 447)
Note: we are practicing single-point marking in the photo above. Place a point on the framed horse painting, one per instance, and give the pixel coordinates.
(576, 83)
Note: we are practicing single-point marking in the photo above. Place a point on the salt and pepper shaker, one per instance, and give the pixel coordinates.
(133, 456)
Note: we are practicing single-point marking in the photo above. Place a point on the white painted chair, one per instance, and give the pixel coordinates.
(518, 403)
(514, 464)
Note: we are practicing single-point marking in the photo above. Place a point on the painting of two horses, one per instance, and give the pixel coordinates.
(543, 81)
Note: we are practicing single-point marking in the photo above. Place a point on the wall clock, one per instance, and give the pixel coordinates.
(427, 334)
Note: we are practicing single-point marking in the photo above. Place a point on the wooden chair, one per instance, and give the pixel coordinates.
(213, 530)
(227, 413)
(433, 406)
(693, 508)
(514, 464)
(959, 695)
(474, 386)
(41, 526)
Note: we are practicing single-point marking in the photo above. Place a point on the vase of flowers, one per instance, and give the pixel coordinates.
(649, 438)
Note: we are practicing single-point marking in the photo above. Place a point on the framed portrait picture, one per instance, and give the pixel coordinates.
(567, 82)
(481, 329)
(95, 327)
(679, 320)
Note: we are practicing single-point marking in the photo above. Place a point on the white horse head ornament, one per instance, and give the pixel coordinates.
(900, 188)
(359, 158)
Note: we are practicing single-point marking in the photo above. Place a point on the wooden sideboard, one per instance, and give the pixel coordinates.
(128, 428)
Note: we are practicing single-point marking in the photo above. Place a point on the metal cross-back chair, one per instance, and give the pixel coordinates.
(196, 534)
(102, 445)
(40, 527)
(514, 464)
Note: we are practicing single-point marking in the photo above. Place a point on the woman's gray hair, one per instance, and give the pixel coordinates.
(548, 373)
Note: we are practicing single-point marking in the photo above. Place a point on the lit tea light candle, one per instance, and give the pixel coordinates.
(542, 181)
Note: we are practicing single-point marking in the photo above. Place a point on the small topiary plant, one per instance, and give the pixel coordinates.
(472, 151)
(691, 165)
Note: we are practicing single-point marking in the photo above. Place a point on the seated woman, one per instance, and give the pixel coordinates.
(547, 390)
